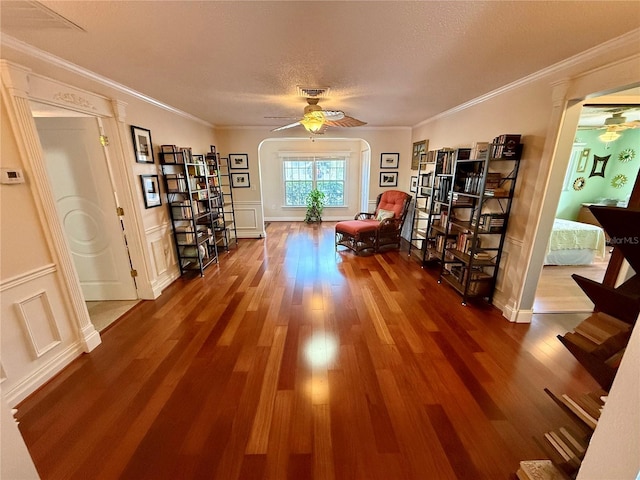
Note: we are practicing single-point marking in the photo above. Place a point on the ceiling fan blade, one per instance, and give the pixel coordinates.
(347, 121)
(284, 127)
(333, 115)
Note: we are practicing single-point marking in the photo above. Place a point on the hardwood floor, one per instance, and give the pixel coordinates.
(291, 361)
(557, 292)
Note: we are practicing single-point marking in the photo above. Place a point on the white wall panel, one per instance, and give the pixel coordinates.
(39, 322)
(249, 220)
(38, 334)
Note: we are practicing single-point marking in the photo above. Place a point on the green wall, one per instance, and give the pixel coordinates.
(598, 188)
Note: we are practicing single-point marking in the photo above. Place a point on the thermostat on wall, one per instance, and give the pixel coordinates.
(11, 175)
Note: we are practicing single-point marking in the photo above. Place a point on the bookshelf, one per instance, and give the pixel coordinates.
(191, 207)
(598, 342)
(221, 192)
(472, 227)
(432, 187)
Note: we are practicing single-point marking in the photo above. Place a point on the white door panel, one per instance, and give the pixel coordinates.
(82, 188)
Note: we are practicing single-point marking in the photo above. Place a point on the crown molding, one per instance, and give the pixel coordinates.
(630, 38)
(23, 47)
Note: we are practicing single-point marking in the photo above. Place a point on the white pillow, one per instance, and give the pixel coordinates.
(384, 214)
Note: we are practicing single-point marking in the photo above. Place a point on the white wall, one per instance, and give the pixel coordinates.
(259, 144)
(273, 187)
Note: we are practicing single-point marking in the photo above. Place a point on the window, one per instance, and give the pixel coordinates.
(302, 174)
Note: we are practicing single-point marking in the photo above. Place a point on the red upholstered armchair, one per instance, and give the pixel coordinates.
(372, 231)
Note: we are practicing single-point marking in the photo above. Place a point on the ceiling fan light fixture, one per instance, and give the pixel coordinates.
(313, 121)
(609, 136)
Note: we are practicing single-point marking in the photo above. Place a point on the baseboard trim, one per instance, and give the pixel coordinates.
(41, 375)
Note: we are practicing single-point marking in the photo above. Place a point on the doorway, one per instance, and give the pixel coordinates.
(599, 172)
(79, 174)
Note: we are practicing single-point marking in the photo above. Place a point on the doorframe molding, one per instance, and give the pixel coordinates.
(20, 86)
(568, 97)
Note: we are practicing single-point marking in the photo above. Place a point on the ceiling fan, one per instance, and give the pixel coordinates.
(315, 119)
(617, 123)
(614, 124)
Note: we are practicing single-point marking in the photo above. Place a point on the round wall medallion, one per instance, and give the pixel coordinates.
(618, 181)
(579, 183)
(626, 155)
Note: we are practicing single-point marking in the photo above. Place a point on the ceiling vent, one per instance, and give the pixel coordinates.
(313, 92)
(34, 16)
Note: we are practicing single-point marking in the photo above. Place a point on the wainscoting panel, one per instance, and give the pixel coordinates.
(39, 332)
(39, 322)
(164, 268)
(249, 219)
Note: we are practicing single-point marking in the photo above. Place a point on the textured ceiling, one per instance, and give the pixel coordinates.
(395, 63)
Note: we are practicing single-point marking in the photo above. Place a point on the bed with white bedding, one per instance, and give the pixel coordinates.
(574, 243)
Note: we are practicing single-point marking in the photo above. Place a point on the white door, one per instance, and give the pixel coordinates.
(84, 195)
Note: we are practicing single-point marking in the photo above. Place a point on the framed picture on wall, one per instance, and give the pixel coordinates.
(414, 183)
(240, 180)
(238, 161)
(582, 160)
(419, 148)
(388, 179)
(389, 160)
(142, 146)
(599, 164)
(151, 191)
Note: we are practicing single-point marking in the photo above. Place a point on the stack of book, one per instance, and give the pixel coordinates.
(601, 336)
(482, 255)
(459, 200)
(587, 406)
(493, 181)
(539, 470)
(507, 145)
(496, 192)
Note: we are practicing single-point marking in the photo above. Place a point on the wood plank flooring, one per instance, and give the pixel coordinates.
(290, 360)
(557, 292)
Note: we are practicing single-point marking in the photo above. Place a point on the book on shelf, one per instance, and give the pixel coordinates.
(496, 192)
(482, 255)
(600, 327)
(480, 150)
(493, 180)
(539, 470)
(578, 445)
(506, 145)
(560, 446)
(579, 411)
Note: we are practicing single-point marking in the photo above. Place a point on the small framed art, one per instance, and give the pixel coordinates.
(388, 179)
(238, 161)
(599, 164)
(414, 183)
(142, 146)
(389, 160)
(419, 148)
(240, 180)
(151, 190)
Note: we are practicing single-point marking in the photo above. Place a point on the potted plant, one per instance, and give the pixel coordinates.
(315, 205)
